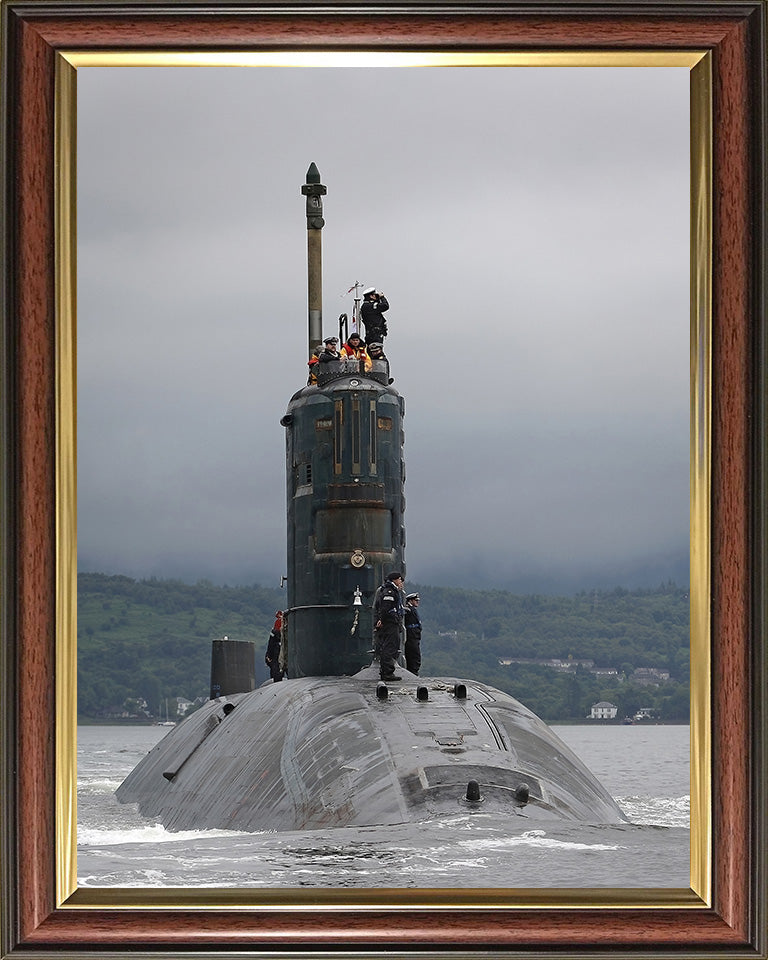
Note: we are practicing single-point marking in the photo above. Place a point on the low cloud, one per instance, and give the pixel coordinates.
(530, 229)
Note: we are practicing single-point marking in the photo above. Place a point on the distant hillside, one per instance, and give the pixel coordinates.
(150, 640)
(468, 632)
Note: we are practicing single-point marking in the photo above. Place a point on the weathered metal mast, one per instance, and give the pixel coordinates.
(314, 191)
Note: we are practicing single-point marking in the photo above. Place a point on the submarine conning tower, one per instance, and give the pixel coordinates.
(345, 477)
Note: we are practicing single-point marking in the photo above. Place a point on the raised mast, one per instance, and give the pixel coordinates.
(314, 191)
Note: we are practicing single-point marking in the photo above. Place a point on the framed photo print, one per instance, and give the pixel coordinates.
(566, 209)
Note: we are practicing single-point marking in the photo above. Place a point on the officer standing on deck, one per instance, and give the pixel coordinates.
(272, 656)
(412, 633)
(372, 312)
(389, 624)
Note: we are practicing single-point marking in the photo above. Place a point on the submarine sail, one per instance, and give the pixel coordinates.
(345, 498)
(333, 745)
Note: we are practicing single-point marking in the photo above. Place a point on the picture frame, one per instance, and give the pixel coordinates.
(41, 910)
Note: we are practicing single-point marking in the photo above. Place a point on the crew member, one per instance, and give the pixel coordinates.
(331, 350)
(372, 311)
(272, 656)
(412, 633)
(376, 352)
(312, 363)
(389, 621)
(354, 349)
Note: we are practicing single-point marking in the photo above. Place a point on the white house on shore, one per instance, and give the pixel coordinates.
(603, 711)
(183, 705)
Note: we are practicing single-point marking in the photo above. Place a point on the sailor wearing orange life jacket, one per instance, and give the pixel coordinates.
(272, 656)
(354, 349)
(312, 363)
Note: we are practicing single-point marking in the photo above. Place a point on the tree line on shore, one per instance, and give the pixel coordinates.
(149, 641)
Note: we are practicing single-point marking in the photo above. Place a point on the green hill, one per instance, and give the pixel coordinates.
(150, 640)
(470, 631)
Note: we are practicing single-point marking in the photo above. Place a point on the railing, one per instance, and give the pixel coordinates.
(336, 369)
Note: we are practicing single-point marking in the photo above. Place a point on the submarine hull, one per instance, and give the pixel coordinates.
(322, 752)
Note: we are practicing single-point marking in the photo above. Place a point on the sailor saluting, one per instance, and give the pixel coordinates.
(372, 312)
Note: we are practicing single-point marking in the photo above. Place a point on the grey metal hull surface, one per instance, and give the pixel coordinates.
(321, 752)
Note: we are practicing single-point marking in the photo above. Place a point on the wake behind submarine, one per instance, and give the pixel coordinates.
(333, 745)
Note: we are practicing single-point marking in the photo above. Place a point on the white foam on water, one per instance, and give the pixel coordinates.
(657, 811)
(151, 833)
(96, 787)
(533, 838)
(144, 878)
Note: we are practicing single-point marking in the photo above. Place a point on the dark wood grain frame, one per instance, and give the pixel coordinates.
(734, 925)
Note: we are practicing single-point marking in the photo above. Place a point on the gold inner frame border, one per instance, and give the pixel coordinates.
(699, 895)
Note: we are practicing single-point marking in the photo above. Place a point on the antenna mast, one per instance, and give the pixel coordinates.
(314, 191)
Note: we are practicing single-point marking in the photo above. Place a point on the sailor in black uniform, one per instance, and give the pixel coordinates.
(272, 656)
(372, 311)
(389, 622)
(412, 633)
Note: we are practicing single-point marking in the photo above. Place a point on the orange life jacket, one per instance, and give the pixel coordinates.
(348, 352)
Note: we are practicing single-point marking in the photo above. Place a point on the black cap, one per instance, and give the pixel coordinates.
(394, 575)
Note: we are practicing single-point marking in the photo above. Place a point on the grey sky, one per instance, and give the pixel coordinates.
(530, 229)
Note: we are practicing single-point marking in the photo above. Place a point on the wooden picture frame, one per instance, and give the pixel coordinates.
(38, 916)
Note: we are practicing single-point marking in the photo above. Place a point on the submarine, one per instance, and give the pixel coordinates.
(333, 745)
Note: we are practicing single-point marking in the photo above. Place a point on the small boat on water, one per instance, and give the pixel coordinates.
(166, 722)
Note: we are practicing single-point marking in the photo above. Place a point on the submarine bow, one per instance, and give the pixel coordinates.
(315, 753)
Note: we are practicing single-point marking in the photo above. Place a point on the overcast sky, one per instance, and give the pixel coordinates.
(530, 229)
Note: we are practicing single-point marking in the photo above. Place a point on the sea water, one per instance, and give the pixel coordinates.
(645, 767)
